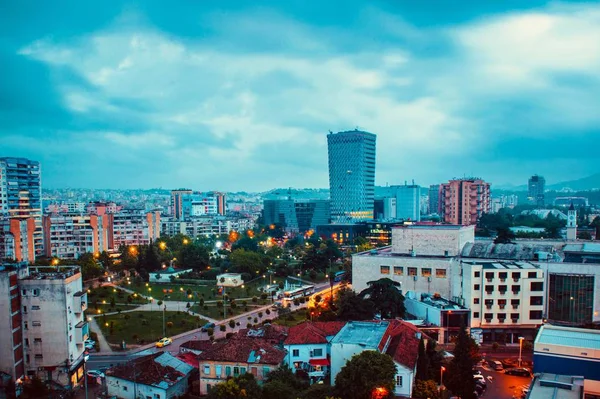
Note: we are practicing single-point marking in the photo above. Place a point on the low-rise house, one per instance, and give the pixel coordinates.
(195, 346)
(308, 349)
(237, 356)
(156, 376)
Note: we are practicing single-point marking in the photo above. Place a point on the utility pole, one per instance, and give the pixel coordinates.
(164, 326)
(224, 304)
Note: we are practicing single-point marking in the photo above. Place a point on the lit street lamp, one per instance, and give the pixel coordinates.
(520, 349)
(442, 369)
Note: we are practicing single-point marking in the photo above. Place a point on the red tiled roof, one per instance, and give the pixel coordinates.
(244, 349)
(147, 370)
(313, 333)
(198, 345)
(189, 358)
(403, 343)
(271, 332)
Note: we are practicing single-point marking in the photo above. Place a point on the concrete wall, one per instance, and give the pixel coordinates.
(422, 311)
(213, 376)
(434, 241)
(367, 268)
(340, 354)
(127, 389)
(408, 377)
(304, 353)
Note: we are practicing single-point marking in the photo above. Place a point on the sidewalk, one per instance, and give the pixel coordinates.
(104, 346)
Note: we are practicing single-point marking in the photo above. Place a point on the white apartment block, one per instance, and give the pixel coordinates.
(431, 240)
(134, 228)
(70, 236)
(54, 326)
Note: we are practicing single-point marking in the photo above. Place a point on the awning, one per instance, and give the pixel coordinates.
(319, 362)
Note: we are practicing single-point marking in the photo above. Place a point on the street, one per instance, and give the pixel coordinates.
(500, 385)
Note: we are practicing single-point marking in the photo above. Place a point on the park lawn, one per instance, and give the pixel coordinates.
(146, 327)
(291, 319)
(213, 312)
(106, 308)
(106, 294)
(180, 291)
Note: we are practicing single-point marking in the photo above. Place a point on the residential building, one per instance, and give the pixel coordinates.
(537, 188)
(11, 345)
(20, 182)
(100, 208)
(195, 346)
(507, 299)
(407, 200)
(17, 239)
(159, 375)
(397, 338)
(221, 199)
(384, 209)
(238, 356)
(547, 385)
(434, 199)
(463, 201)
(69, 236)
(569, 351)
(54, 325)
(296, 215)
(308, 348)
(177, 202)
(133, 228)
(351, 175)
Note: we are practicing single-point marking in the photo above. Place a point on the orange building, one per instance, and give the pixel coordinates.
(17, 239)
(70, 236)
(463, 201)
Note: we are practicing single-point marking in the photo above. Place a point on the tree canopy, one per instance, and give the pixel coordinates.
(364, 373)
(351, 306)
(459, 377)
(386, 296)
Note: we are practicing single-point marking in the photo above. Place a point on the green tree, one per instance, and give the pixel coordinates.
(504, 236)
(425, 389)
(422, 362)
(364, 373)
(459, 378)
(386, 296)
(350, 306)
(106, 261)
(318, 391)
(194, 256)
(244, 261)
(277, 390)
(287, 377)
(229, 389)
(89, 267)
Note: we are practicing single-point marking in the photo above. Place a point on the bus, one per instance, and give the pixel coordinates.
(299, 292)
(339, 276)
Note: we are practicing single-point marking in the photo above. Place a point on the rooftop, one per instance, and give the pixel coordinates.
(502, 265)
(51, 273)
(159, 369)
(440, 303)
(587, 247)
(569, 336)
(489, 250)
(433, 227)
(403, 341)
(556, 386)
(271, 332)
(313, 333)
(364, 333)
(197, 345)
(244, 349)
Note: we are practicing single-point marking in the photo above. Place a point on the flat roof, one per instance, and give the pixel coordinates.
(51, 272)
(555, 386)
(432, 226)
(362, 333)
(515, 265)
(569, 336)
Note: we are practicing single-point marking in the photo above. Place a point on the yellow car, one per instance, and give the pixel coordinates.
(164, 342)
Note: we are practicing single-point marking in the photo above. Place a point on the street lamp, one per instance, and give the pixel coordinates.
(448, 313)
(572, 310)
(86, 357)
(520, 349)
(442, 369)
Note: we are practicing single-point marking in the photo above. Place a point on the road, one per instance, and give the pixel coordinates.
(500, 385)
(109, 359)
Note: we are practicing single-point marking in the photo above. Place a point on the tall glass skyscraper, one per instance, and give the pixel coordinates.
(351, 175)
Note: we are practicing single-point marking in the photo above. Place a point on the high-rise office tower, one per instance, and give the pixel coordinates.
(351, 175)
(21, 196)
(434, 198)
(463, 201)
(537, 186)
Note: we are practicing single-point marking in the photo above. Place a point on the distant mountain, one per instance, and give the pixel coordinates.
(587, 183)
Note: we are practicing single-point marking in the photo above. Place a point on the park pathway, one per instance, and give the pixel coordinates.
(104, 346)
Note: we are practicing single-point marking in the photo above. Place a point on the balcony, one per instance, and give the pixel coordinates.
(82, 332)
(80, 301)
(488, 320)
(501, 320)
(515, 320)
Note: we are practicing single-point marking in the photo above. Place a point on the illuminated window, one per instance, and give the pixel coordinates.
(384, 269)
(398, 270)
(412, 271)
(426, 272)
(440, 273)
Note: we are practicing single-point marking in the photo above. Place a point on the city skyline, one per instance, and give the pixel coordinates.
(242, 97)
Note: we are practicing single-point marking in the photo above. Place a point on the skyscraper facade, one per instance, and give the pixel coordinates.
(407, 198)
(463, 201)
(537, 187)
(21, 195)
(434, 198)
(351, 175)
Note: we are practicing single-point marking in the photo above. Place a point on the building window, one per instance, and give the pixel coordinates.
(399, 381)
(36, 323)
(35, 307)
(516, 289)
(516, 276)
(296, 352)
(476, 301)
(39, 356)
(488, 317)
(24, 309)
(412, 271)
(502, 275)
(25, 325)
(501, 303)
(476, 287)
(531, 274)
(489, 303)
(501, 317)
(476, 315)
(535, 314)
(23, 292)
(536, 300)
(537, 286)
(398, 270)
(266, 371)
(37, 340)
(218, 370)
(440, 273)
(489, 289)
(514, 316)
(384, 269)
(426, 272)
(317, 352)
(476, 274)
(515, 303)
(502, 289)
(26, 341)
(36, 292)
(489, 276)
(124, 387)
(206, 369)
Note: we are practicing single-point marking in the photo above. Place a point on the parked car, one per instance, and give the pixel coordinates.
(207, 326)
(520, 371)
(95, 374)
(164, 342)
(479, 379)
(496, 365)
(89, 344)
(480, 389)
(476, 372)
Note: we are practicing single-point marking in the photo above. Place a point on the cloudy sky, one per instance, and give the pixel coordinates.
(240, 96)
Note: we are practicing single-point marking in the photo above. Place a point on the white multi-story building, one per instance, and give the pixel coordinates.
(70, 236)
(134, 228)
(54, 326)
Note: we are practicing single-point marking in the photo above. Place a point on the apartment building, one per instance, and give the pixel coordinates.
(507, 299)
(133, 228)
(11, 345)
(70, 236)
(17, 239)
(463, 201)
(54, 326)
